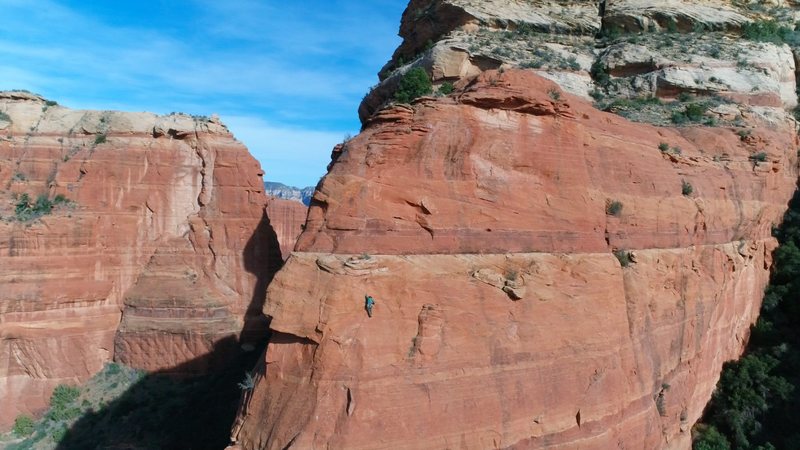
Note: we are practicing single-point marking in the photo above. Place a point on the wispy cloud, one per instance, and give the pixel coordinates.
(298, 69)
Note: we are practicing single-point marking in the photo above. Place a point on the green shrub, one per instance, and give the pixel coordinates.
(686, 188)
(758, 157)
(695, 111)
(614, 208)
(709, 438)
(532, 64)
(600, 73)
(100, 139)
(679, 118)
(4, 117)
(525, 28)
(42, 204)
(23, 426)
(663, 146)
(554, 95)
(767, 31)
(63, 395)
(26, 210)
(626, 106)
(23, 204)
(62, 407)
(573, 64)
(636, 103)
(446, 88)
(58, 433)
(743, 393)
(414, 84)
(113, 369)
(50, 103)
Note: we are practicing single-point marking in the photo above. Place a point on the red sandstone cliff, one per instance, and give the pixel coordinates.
(478, 222)
(288, 220)
(162, 254)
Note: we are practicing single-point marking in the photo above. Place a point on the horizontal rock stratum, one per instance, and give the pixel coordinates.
(513, 308)
(156, 254)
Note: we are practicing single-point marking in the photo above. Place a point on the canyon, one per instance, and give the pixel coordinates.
(566, 236)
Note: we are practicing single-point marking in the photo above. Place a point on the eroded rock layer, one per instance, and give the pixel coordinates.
(516, 308)
(157, 221)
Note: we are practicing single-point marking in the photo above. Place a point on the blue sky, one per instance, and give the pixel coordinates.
(285, 76)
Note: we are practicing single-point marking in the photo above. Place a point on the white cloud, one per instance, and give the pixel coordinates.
(275, 71)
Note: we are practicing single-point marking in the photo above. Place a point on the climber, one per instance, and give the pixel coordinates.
(369, 302)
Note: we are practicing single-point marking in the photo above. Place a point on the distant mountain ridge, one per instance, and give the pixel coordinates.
(283, 191)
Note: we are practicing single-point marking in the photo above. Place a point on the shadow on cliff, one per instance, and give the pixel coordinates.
(174, 408)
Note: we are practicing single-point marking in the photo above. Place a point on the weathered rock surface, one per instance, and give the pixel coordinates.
(654, 15)
(288, 218)
(510, 183)
(503, 319)
(165, 230)
(649, 48)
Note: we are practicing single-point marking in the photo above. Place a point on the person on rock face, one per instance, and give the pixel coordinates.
(369, 302)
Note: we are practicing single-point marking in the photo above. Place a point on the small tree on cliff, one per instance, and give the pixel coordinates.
(415, 83)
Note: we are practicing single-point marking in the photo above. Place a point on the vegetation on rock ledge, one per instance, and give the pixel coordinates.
(26, 210)
(122, 407)
(414, 84)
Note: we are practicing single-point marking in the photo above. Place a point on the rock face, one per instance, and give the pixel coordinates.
(157, 251)
(288, 220)
(647, 48)
(514, 307)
